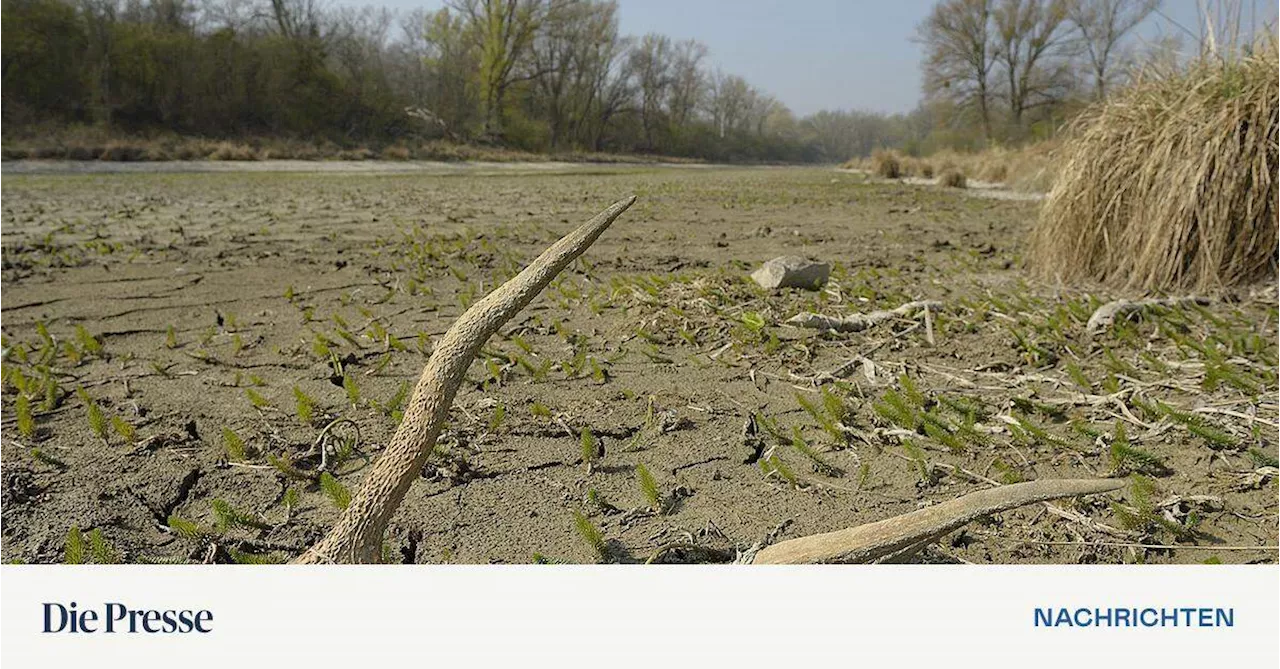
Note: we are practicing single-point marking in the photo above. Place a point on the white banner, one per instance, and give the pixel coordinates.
(662, 616)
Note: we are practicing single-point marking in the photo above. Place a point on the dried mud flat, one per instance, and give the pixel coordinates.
(175, 344)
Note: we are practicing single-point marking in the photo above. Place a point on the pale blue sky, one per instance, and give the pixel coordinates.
(817, 54)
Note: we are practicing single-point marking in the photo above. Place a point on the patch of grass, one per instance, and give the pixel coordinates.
(256, 399)
(26, 422)
(590, 534)
(236, 449)
(1142, 515)
(304, 406)
(47, 459)
(74, 552)
(335, 491)
(590, 448)
(1261, 459)
(228, 517)
(185, 528)
(98, 423)
(1126, 458)
(649, 488)
(102, 550)
(772, 465)
(125, 429)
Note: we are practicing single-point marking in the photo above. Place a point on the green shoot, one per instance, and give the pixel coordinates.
(236, 449)
(305, 406)
(774, 465)
(590, 448)
(103, 552)
(335, 491)
(48, 459)
(1127, 458)
(228, 517)
(185, 528)
(256, 399)
(97, 420)
(125, 429)
(26, 422)
(74, 553)
(590, 534)
(649, 488)
(1261, 459)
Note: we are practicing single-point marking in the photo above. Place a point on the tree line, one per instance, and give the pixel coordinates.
(538, 75)
(1009, 70)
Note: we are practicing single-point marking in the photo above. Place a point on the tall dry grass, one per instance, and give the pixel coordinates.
(1170, 185)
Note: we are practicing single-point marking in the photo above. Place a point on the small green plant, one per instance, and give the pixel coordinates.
(284, 465)
(590, 448)
(228, 517)
(820, 464)
(1198, 426)
(864, 475)
(894, 409)
(256, 399)
(590, 534)
(335, 491)
(89, 344)
(103, 552)
(1142, 515)
(928, 475)
(1126, 458)
(237, 451)
(48, 459)
(170, 338)
(26, 422)
(353, 391)
(495, 421)
(772, 465)
(305, 406)
(649, 488)
(1261, 459)
(125, 429)
(74, 552)
(540, 410)
(290, 498)
(185, 528)
(97, 419)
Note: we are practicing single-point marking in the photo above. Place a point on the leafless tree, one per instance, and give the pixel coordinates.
(1102, 25)
(959, 55)
(650, 63)
(1031, 36)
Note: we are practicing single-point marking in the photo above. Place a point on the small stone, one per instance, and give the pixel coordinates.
(792, 272)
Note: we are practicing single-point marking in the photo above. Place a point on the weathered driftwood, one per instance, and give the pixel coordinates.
(897, 538)
(859, 322)
(357, 536)
(1105, 316)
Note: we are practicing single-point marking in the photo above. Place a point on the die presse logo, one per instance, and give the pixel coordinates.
(116, 618)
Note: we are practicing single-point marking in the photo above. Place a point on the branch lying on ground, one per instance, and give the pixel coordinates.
(1106, 315)
(897, 538)
(859, 322)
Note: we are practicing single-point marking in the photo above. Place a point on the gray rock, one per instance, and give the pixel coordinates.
(792, 272)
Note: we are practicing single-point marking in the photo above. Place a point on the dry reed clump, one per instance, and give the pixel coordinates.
(396, 152)
(886, 164)
(1171, 184)
(953, 179)
(233, 151)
